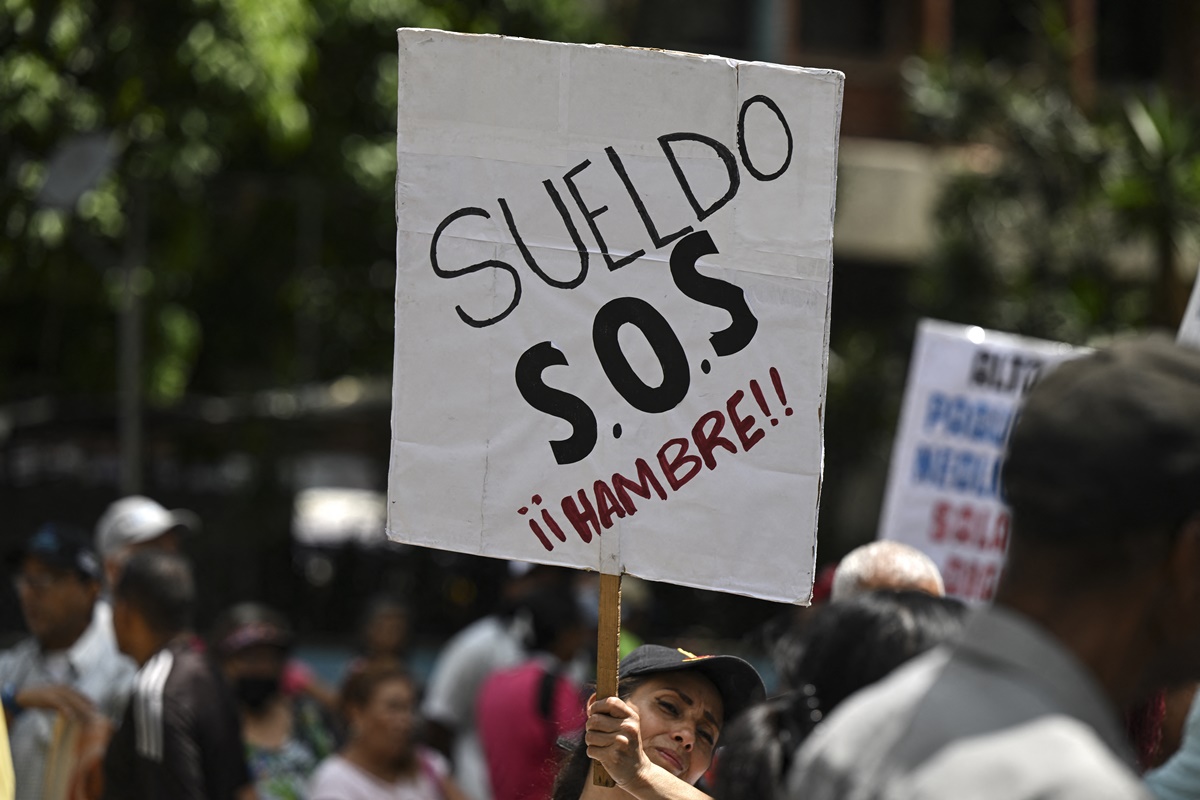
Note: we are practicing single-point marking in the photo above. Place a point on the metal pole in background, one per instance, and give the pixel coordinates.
(308, 260)
(772, 36)
(129, 345)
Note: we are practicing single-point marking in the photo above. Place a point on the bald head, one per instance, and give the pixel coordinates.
(886, 565)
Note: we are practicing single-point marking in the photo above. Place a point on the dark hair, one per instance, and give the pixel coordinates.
(847, 645)
(361, 684)
(758, 747)
(160, 587)
(853, 643)
(552, 611)
(517, 589)
(1104, 460)
(575, 764)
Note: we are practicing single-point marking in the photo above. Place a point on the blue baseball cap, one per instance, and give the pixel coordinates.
(62, 546)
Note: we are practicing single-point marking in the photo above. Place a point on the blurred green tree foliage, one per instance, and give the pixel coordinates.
(258, 138)
(1054, 221)
(1059, 223)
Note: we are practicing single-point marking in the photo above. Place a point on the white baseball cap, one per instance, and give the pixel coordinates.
(136, 519)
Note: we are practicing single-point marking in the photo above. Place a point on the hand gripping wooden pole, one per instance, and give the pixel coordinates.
(608, 635)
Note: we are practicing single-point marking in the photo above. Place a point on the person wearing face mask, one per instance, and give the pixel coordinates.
(286, 736)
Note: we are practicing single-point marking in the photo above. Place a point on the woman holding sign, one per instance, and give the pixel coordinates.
(657, 737)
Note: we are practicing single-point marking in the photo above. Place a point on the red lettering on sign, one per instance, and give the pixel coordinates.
(747, 434)
(606, 503)
(582, 519)
(592, 512)
(709, 440)
(645, 482)
(971, 579)
(970, 526)
(670, 467)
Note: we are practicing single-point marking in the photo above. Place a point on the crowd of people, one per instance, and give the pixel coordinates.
(1076, 682)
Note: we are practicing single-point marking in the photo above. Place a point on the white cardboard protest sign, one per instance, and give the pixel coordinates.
(612, 309)
(943, 494)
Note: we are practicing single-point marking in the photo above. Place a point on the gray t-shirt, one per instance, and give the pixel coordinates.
(1006, 713)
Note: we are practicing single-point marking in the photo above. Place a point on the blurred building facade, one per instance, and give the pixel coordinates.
(888, 178)
(280, 475)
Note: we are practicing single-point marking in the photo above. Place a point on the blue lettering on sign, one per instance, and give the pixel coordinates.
(961, 417)
(956, 470)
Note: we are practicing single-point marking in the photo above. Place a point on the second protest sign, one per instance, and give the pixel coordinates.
(964, 389)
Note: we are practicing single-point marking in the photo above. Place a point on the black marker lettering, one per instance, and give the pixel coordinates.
(713, 292)
(741, 138)
(726, 156)
(676, 376)
(591, 214)
(529, 260)
(556, 402)
(489, 264)
(659, 241)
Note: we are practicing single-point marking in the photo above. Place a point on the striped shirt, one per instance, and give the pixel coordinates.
(180, 737)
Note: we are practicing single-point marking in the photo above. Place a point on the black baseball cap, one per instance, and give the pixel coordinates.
(249, 625)
(60, 546)
(736, 680)
(1108, 445)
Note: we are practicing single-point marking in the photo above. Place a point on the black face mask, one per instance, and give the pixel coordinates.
(254, 692)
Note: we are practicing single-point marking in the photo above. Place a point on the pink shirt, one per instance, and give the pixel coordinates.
(520, 743)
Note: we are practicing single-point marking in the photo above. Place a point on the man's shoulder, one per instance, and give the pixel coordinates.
(196, 683)
(1054, 756)
(876, 719)
(480, 636)
(940, 727)
(181, 679)
(22, 654)
(469, 656)
(189, 665)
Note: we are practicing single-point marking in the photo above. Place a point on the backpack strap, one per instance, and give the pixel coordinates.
(546, 690)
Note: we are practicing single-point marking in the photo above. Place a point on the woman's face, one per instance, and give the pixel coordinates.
(681, 716)
(385, 724)
(387, 632)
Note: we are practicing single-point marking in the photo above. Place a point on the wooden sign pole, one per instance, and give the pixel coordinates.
(608, 657)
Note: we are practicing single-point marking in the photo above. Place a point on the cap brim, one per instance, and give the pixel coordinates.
(185, 520)
(736, 680)
(13, 559)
